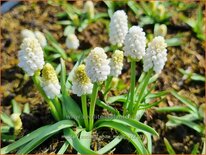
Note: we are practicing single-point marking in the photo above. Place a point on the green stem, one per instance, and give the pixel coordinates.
(84, 110)
(132, 88)
(107, 86)
(58, 107)
(141, 94)
(92, 105)
(38, 85)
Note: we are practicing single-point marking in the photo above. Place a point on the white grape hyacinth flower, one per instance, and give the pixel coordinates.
(37, 34)
(97, 65)
(135, 43)
(118, 28)
(81, 84)
(156, 55)
(72, 41)
(50, 82)
(31, 56)
(116, 63)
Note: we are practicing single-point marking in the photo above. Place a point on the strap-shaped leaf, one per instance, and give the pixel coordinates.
(129, 122)
(6, 119)
(48, 132)
(184, 100)
(189, 123)
(85, 138)
(127, 132)
(108, 107)
(120, 98)
(23, 140)
(169, 147)
(73, 140)
(63, 148)
(110, 145)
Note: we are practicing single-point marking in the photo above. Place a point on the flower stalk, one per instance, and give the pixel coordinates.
(92, 105)
(84, 110)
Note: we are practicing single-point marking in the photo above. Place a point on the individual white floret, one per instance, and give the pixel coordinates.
(156, 55)
(81, 84)
(118, 28)
(50, 82)
(135, 43)
(72, 41)
(31, 57)
(89, 9)
(41, 38)
(97, 65)
(116, 63)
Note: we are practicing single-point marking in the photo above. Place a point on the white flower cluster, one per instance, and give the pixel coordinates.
(135, 43)
(156, 55)
(31, 56)
(72, 41)
(37, 34)
(97, 65)
(118, 28)
(116, 63)
(50, 82)
(81, 84)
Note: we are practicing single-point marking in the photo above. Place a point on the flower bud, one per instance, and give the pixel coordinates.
(41, 38)
(72, 41)
(156, 55)
(118, 28)
(116, 63)
(160, 30)
(50, 82)
(135, 43)
(81, 84)
(97, 65)
(17, 123)
(27, 33)
(31, 57)
(89, 9)
(37, 34)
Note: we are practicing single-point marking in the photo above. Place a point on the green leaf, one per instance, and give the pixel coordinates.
(26, 108)
(63, 148)
(127, 132)
(55, 45)
(173, 41)
(195, 149)
(6, 119)
(23, 140)
(173, 109)
(110, 145)
(120, 98)
(129, 122)
(156, 95)
(64, 22)
(184, 100)
(85, 138)
(5, 129)
(73, 140)
(108, 107)
(169, 147)
(48, 132)
(16, 107)
(149, 105)
(149, 141)
(188, 123)
(7, 138)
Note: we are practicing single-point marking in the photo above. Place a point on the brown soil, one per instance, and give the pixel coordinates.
(41, 16)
